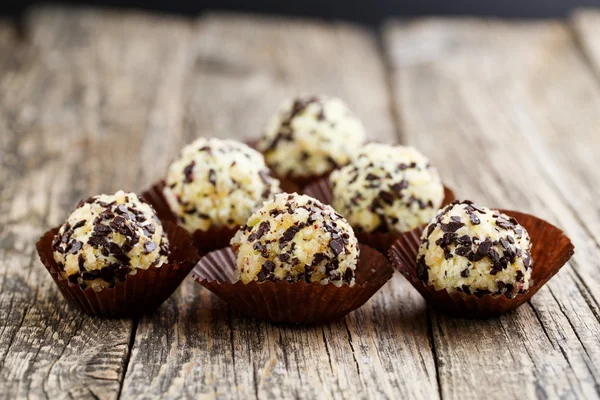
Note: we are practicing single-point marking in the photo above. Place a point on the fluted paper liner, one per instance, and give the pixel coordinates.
(550, 250)
(298, 302)
(381, 241)
(205, 241)
(138, 294)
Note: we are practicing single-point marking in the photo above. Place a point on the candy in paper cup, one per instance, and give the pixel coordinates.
(551, 249)
(297, 302)
(138, 294)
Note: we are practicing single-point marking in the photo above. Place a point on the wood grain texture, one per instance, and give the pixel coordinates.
(500, 108)
(80, 105)
(95, 101)
(586, 25)
(242, 68)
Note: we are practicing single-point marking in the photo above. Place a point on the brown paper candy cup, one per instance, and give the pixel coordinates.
(213, 239)
(550, 250)
(298, 302)
(381, 241)
(140, 293)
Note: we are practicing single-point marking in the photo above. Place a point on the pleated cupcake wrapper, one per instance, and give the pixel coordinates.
(206, 241)
(381, 241)
(138, 294)
(551, 249)
(298, 302)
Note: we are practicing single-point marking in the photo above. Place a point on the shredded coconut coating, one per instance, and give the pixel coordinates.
(311, 136)
(387, 189)
(108, 237)
(475, 250)
(294, 238)
(217, 183)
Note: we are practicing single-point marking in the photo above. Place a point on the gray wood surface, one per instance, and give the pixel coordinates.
(94, 101)
(506, 103)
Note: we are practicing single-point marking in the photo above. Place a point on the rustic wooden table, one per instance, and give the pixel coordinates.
(95, 101)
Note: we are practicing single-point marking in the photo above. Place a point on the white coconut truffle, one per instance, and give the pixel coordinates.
(311, 136)
(294, 238)
(217, 183)
(108, 237)
(387, 188)
(475, 250)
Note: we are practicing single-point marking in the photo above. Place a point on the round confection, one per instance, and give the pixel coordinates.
(310, 136)
(296, 238)
(387, 189)
(475, 250)
(108, 237)
(217, 183)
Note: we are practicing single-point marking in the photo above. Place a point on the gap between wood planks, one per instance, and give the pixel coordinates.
(445, 52)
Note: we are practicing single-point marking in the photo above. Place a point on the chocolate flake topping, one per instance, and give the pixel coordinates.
(288, 235)
(79, 224)
(76, 246)
(337, 245)
(188, 172)
(386, 197)
(269, 266)
(149, 247)
(422, 270)
(212, 177)
(452, 226)
(101, 230)
(484, 247)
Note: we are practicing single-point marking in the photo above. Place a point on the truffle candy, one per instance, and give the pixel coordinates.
(294, 238)
(217, 183)
(475, 250)
(387, 189)
(310, 136)
(108, 237)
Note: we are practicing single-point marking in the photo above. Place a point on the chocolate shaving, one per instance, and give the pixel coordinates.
(79, 224)
(188, 172)
(101, 230)
(212, 177)
(519, 276)
(149, 247)
(337, 246)
(452, 226)
(288, 235)
(387, 197)
(422, 270)
(503, 223)
(318, 258)
(484, 247)
(76, 246)
(268, 266)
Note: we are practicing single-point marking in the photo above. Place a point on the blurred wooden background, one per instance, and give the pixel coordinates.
(94, 101)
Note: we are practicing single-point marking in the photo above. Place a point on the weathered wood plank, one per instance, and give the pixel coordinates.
(85, 98)
(499, 107)
(242, 68)
(586, 25)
